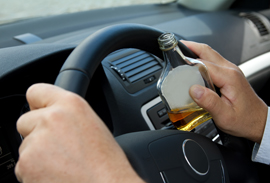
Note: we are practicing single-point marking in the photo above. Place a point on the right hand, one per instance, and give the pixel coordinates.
(238, 111)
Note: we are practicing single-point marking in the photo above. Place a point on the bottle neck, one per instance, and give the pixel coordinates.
(175, 57)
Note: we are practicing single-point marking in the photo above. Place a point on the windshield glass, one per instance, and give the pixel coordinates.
(13, 10)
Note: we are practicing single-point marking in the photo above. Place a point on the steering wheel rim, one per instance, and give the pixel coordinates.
(82, 63)
(86, 57)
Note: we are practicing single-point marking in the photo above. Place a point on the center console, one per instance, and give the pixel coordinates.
(156, 117)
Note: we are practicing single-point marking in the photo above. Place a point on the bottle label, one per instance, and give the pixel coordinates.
(176, 85)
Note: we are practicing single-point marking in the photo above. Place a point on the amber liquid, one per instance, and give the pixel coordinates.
(188, 119)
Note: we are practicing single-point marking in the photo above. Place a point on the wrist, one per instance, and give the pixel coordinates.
(260, 123)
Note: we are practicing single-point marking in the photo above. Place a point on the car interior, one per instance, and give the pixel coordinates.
(111, 58)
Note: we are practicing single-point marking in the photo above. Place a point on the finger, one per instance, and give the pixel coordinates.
(27, 122)
(222, 75)
(21, 165)
(218, 74)
(204, 51)
(17, 173)
(208, 100)
(43, 95)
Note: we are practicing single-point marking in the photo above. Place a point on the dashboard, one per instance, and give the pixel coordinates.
(7, 162)
(123, 89)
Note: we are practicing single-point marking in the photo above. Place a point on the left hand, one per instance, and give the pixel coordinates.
(65, 141)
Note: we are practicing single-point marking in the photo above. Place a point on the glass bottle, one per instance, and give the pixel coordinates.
(179, 74)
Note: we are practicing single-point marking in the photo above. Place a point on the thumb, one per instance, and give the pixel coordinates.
(207, 99)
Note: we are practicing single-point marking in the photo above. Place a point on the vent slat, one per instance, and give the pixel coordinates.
(259, 25)
(134, 55)
(132, 61)
(120, 54)
(133, 64)
(262, 30)
(140, 69)
(265, 33)
(144, 73)
(137, 64)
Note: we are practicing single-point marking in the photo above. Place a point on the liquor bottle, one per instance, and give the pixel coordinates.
(178, 75)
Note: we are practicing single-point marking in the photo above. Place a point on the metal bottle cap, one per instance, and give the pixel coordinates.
(167, 41)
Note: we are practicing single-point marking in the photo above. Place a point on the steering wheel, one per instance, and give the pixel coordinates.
(158, 156)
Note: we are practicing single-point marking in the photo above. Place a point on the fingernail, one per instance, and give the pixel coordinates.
(197, 91)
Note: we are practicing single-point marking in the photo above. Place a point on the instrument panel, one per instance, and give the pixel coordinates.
(7, 162)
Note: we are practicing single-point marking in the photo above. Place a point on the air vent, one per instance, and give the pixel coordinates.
(260, 22)
(133, 65)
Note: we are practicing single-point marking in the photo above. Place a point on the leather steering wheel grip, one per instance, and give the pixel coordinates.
(82, 63)
(80, 67)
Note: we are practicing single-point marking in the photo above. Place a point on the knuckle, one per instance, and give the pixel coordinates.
(71, 96)
(54, 115)
(22, 166)
(18, 171)
(20, 122)
(17, 168)
(233, 69)
(31, 89)
(206, 47)
(235, 73)
(210, 103)
(74, 99)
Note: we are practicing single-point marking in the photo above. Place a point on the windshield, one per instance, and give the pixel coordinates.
(13, 10)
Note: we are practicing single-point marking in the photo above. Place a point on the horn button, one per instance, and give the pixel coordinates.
(186, 159)
(195, 157)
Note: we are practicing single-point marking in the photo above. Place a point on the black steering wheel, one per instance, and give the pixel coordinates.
(157, 156)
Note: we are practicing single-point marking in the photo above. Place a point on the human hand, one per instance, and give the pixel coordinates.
(65, 141)
(239, 111)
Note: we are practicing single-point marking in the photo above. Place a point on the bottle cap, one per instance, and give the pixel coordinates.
(167, 41)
